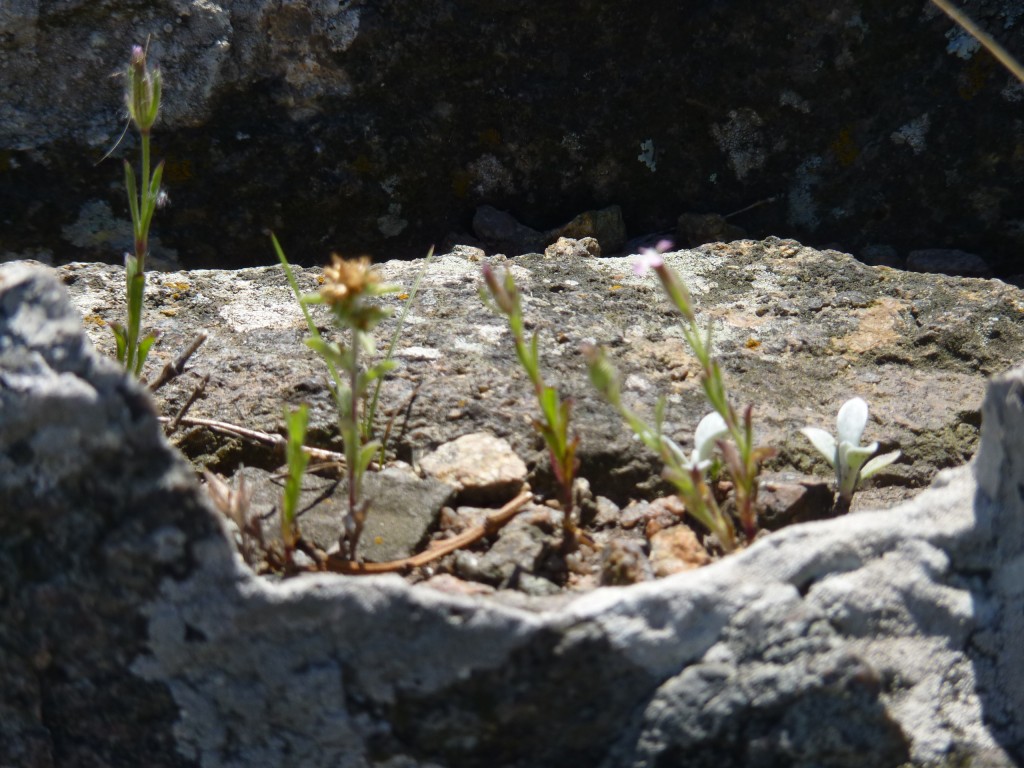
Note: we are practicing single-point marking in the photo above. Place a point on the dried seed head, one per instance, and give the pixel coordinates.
(346, 279)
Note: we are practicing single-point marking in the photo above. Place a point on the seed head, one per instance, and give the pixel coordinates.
(346, 279)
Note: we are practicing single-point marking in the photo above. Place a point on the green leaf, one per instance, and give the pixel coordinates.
(296, 422)
(548, 401)
(293, 283)
(380, 369)
(328, 350)
(121, 340)
(823, 442)
(154, 106)
(660, 408)
(154, 186)
(133, 195)
(143, 353)
(366, 454)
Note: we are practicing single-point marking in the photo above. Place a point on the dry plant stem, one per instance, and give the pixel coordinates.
(982, 37)
(172, 370)
(266, 438)
(489, 527)
(199, 389)
(357, 508)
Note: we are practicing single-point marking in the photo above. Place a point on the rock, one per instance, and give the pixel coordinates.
(879, 638)
(798, 331)
(519, 549)
(341, 127)
(788, 499)
(878, 255)
(480, 467)
(948, 262)
(695, 229)
(568, 248)
(503, 233)
(676, 549)
(404, 509)
(605, 225)
(624, 562)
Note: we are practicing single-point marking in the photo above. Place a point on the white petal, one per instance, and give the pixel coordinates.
(711, 428)
(852, 419)
(878, 463)
(823, 441)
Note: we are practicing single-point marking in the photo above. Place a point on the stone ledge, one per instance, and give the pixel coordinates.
(132, 633)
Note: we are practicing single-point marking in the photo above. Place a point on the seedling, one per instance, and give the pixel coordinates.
(845, 453)
(556, 413)
(143, 99)
(297, 459)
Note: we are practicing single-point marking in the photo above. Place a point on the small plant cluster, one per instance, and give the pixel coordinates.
(845, 453)
(724, 428)
(723, 441)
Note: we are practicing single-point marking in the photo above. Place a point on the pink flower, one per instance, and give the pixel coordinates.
(650, 258)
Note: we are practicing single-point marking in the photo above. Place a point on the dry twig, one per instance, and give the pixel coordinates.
(490, 526)
(199, 389)
(175, 369)
(267, 438)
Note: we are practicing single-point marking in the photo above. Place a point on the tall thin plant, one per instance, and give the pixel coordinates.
(143, 100)
(556, 413)
(297, 459)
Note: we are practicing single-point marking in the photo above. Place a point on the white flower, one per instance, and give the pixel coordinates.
(847, 456)
(709, 430)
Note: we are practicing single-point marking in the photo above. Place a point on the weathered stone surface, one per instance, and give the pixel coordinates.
(798, 331)
(133, 635)
(405, 507)
(383, 126)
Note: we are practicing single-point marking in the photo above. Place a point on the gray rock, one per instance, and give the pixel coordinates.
(798, 331)
(879, 255)
(380, 127)
(501, 231)
(132, 634)
(948, 262)
(405, 507)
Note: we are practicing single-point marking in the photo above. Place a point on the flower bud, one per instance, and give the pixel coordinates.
(143, 93)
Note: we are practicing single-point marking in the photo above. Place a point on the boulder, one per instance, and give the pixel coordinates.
(133, 634)
(383, 126)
